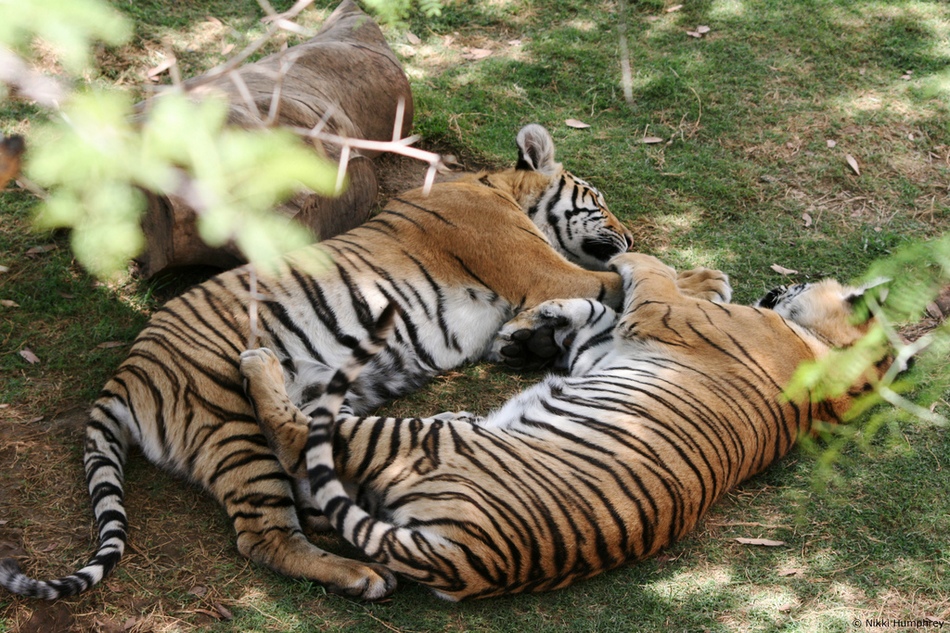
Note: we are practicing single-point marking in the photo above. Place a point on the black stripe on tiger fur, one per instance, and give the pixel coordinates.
(667, 405)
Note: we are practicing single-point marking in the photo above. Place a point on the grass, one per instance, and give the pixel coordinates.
(745, 177)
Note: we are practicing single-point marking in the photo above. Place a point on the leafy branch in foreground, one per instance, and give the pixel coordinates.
(916, 275)
(94, 160)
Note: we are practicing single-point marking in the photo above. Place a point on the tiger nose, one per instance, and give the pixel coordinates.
(628, 238)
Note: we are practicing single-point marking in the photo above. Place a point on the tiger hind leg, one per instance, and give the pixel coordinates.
(285, 428)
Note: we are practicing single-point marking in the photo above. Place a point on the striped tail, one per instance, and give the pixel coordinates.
(427, 558)
(106, 451)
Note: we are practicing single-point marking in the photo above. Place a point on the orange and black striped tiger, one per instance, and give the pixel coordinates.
(458, 262)
(666, 406)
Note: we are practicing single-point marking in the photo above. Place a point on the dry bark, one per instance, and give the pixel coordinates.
(346, 76)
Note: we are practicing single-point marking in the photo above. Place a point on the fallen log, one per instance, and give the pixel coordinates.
(346, 77)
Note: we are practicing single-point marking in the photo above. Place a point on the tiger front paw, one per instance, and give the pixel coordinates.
(263, 375)
(535, 338)
(705, 283)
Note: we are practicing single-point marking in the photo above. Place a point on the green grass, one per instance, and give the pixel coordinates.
(746, 114)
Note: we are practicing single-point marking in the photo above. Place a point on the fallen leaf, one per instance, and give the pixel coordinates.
(223, 610)
(4, 269)
(514, 42)
(27, 354)
(762, 542)
(651, 139)
(574, 123)
(831, 143)
(227, 49)
(39, 250)
(694, 33)
(109, 344)
(66, 295)
(782, 270)
(413, 39)
(213, 20)
(853, 163)
(198, 590)
(475, 54)
(7, 303)
(129, 623)
(807, 218)
(450, 161)
(164, 65)
(786, 608)
(675, 7)
(702, 30)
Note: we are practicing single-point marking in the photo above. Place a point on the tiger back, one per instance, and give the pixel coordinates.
(667, 405)
(458, 262)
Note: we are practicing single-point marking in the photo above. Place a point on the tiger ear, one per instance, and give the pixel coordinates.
(859, 298)
(536, 150)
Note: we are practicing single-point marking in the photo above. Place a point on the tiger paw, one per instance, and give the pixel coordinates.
(263, 375)
(705, 283)
(535, 338)
(457, 416)
(376, 583)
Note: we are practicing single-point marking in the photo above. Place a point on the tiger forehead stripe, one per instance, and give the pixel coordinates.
(587, 191)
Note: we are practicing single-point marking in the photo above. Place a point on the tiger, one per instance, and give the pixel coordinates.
(459, 261)
(666, 405)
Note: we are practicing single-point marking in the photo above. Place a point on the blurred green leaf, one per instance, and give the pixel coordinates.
(836, 372)
(69, 26)
(181, 130)
(96, 155)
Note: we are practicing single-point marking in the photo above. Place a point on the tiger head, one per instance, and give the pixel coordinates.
(836, 316)
(569, 211)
